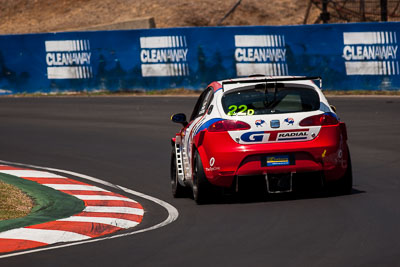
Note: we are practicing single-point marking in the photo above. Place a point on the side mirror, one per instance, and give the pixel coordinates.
(333, 108)
(179, 118)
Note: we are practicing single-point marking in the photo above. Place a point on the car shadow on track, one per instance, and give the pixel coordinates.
(257, 197)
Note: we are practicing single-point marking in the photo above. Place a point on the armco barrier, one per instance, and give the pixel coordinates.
(347, 56)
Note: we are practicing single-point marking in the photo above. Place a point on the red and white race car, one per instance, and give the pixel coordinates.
(278, 128)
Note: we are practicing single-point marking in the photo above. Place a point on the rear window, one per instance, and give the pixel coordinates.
(270, 99)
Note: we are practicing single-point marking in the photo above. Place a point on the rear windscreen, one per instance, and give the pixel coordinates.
(271, 98)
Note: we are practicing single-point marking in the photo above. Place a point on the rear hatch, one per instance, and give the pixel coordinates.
(274, 112)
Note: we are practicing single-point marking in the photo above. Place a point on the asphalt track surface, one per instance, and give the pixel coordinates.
(126, 141)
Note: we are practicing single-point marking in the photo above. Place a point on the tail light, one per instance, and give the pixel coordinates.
(320, 120)
(228, 125)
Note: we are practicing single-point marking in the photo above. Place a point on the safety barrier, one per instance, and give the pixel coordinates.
(347, 56)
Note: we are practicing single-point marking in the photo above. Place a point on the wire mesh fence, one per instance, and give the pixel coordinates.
(358, 10)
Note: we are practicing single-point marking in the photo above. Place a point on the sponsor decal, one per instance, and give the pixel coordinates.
(253, 136)
(212, 161)
(213, 169)
(275, 124)
(278, 160)
(293, 135)
(163, 56)
(289, 121)
(259, 136)
(371, 53)
(68, 59)
(261, 54)
(259, 122)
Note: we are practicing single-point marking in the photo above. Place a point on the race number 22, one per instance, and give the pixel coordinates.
(241, 110)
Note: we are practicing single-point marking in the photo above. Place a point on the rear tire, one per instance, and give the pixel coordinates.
(201, 185)
(344, 185)
(177, 189)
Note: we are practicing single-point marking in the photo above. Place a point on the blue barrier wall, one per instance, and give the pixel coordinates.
(347, 56)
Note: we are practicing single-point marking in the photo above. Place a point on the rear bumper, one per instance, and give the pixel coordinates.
(223, 158)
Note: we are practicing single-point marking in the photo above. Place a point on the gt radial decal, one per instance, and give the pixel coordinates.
(293, 135)
(287, 135)
(105, 212)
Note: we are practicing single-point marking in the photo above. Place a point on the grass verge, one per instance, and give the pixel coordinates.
(13, 202)
(49, 204)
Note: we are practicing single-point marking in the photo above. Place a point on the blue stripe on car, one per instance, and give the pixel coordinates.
(332, 115)
(206, 124)
(293, 138)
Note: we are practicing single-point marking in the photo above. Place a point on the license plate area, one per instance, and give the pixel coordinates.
(277, 160)
(279, 182)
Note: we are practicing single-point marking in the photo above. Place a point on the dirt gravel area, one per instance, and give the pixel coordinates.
(33, 16)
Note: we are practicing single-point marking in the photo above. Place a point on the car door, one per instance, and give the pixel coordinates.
(198, 115)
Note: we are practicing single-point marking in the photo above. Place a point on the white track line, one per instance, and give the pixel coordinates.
(31, 174)
(42, 235)
(172, 211)
(107, 209)
(100, 197)
(75, 187)
(122, 223)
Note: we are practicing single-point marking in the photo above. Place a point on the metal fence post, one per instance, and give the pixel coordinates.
(325, 16)
(384, 16)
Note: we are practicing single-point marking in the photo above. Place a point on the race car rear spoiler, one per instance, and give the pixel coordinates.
(272, 80)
